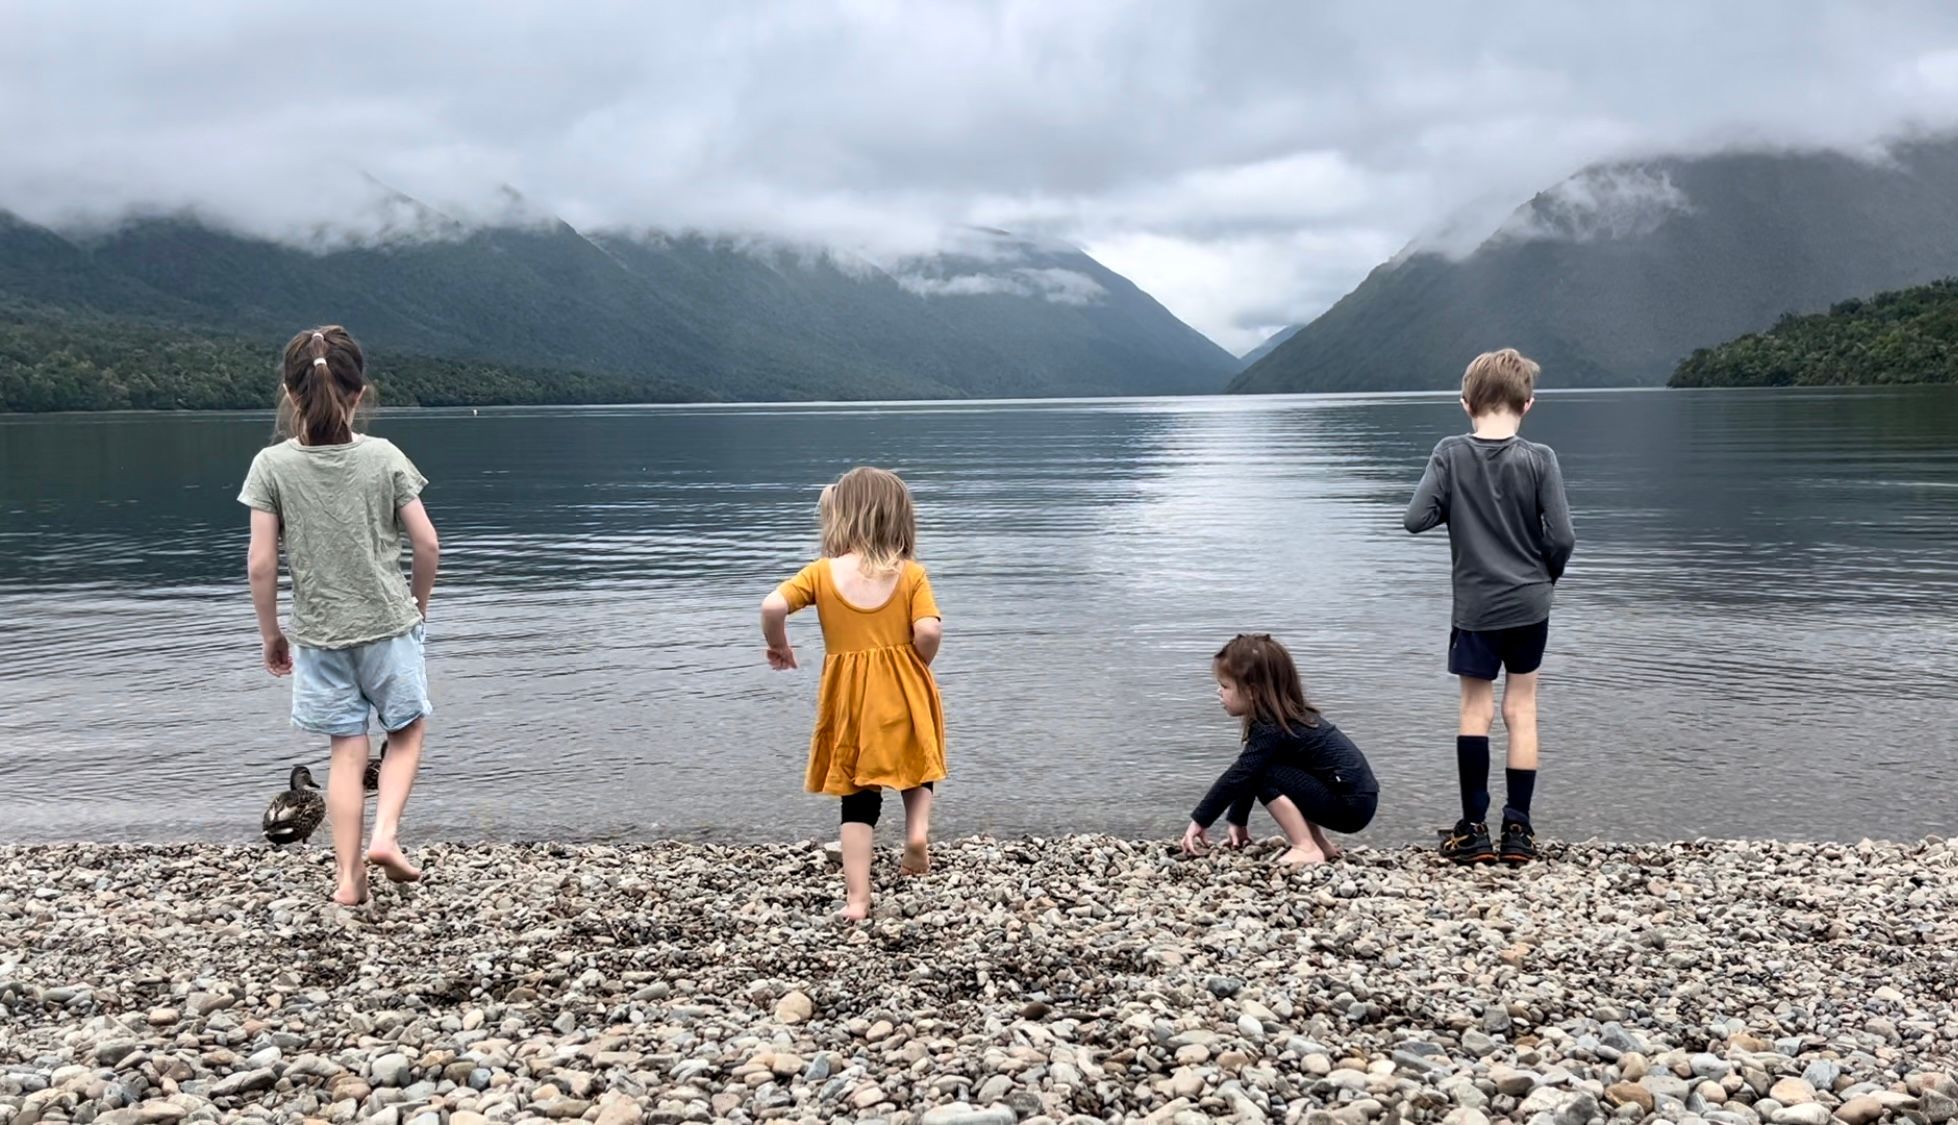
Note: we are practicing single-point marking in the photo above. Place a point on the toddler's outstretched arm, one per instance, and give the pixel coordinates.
(775, 630)
(926, 635)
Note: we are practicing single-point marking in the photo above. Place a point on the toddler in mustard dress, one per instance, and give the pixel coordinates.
(879, 722)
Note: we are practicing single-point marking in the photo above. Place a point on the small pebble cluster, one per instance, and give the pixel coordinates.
(1067, 980)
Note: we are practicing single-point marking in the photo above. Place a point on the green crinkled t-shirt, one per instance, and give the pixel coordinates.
(339, 509)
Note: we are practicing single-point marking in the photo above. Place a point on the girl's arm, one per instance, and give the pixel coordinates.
(1240, 782)
(1239, 814)
(926, 635)
(427, 550)
(262, 565)
(775, 630)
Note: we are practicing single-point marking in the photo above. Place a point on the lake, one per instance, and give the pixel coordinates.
(1758, 635)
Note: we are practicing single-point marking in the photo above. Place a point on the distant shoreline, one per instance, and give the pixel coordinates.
(1444, 393)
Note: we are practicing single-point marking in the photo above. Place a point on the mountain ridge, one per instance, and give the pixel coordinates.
(733, 316)
(1616, 274)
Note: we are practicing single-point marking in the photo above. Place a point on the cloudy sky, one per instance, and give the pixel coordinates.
(1247, 163)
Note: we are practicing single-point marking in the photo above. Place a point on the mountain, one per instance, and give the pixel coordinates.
(1615, 275)
(1269, 345)
(1903, 336)
(724, 318)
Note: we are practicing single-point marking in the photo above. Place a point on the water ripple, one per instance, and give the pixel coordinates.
(1761, 612)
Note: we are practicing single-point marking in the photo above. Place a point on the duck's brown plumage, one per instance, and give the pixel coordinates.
(371, 777)
(295, 814)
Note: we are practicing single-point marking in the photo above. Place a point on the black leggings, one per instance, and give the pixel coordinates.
(1323, 805)
(866, 805)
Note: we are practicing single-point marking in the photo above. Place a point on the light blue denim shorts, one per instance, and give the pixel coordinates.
(333, 689)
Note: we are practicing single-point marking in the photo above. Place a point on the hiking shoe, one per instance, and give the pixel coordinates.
(1467, 843)
(1518, 843)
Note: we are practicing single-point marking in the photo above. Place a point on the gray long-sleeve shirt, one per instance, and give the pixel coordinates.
(1509, 528)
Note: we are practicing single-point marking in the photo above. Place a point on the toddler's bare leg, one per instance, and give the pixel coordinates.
(858, 843)
(917, 831)
(1326, 847)
(1299, 832)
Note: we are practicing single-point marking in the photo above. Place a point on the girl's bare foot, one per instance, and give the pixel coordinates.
(1326, 847)
(1302, 857)
(350, 894)
(917, 858)
(388, 857)
(853, 912)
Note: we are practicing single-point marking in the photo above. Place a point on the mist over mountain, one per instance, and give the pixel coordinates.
(724, 317)
(1615, 275)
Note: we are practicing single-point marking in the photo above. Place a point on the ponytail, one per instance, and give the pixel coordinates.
(324, 372)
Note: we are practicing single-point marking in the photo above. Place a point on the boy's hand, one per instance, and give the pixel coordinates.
(1194, 841)
(1240, 835)
(782, 659)
(278, 655)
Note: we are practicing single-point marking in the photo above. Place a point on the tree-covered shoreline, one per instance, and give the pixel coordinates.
(1896, 337)
(60, 360)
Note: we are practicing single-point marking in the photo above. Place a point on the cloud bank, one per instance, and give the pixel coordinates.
(1246, 163)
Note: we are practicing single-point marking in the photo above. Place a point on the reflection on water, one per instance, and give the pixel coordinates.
(1756, 636)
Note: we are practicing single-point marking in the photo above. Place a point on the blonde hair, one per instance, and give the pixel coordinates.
(868, 512)
(1499, 380)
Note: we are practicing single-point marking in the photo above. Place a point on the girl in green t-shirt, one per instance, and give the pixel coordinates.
(340, 504)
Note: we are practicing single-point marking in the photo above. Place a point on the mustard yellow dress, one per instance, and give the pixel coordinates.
(879, 721)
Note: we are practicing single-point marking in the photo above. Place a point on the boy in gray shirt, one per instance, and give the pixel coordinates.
(1509, 533)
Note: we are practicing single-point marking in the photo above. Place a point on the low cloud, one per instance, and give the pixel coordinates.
(1602, 203)
(1060, 286)
(1244, 162)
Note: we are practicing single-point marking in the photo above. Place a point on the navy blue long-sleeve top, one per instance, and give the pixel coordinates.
(1322, 751)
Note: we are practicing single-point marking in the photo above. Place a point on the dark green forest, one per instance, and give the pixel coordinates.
(66, 360)
(1903, 336)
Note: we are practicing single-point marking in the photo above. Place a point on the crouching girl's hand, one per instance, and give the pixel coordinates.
(1194, 841)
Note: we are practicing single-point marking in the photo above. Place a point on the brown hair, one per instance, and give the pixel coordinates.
(324, 372)
(868, 511)
(1499, 380)
(1264, 672)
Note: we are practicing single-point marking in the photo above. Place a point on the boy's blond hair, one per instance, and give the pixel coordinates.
(868, 512)
(1499, 380)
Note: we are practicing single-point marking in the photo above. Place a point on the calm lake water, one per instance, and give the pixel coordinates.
(1758, 635)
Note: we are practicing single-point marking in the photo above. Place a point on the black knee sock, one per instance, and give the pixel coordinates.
(1472, 765)
(1522, 784)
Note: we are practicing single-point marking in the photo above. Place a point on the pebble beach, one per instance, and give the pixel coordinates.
(1075, 979)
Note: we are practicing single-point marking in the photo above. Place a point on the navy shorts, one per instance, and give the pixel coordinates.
(1480, 656)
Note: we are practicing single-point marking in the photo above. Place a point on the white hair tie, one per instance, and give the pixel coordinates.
(319, 336)
(319, 361)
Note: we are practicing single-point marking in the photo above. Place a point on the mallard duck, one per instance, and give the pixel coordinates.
(371, 778)
(294, 814)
